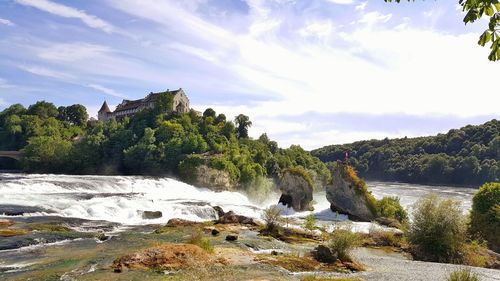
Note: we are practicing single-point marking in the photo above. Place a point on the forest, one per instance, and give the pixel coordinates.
(153, 142)
(466, 156)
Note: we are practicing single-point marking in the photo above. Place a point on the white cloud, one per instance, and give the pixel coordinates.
(342, 2)
(375, 17)
(6, 22)
(44, 71)
(72, 52)
(318, 29)
(361, 6)
(106, 90)
(4, 84)
(3, 102)
(69, 12)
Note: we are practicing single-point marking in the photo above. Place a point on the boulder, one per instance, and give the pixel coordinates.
(219, 211)
(180, 222)
(346, 196)
(204, 176)
(231, 237)
(215, 232)
(231, 217)
(150, 215)
(297, 191)
(324, 254)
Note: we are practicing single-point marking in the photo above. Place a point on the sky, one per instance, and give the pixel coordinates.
(313, 72)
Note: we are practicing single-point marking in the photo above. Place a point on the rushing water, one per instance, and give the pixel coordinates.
(123, 199)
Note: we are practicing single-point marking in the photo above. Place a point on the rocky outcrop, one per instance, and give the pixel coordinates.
(324, 254)
(297, 190)
(231, 217)
(166, 256)
(214, 179)
(151, 215)
(347, 194)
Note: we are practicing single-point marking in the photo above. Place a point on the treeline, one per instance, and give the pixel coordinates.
(153, 142)
(465, 156)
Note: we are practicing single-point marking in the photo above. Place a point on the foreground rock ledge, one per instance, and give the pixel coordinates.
(166, 256)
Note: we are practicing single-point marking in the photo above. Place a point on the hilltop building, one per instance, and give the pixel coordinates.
(131, 107)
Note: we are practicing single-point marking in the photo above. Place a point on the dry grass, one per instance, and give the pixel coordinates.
(9, 232)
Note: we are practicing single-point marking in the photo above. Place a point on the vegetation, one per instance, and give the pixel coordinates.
(466, 156)
(462, 275)
(476, 9)
(197, 238)
(310, 222)
(390, 207)
(438, 230)
(485, 214)
(272, 218)
(343, 241)
(153, 142)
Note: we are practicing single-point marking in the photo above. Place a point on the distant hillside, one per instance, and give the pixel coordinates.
(465, 156)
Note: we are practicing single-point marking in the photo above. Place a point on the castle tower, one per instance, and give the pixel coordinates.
(104, 113)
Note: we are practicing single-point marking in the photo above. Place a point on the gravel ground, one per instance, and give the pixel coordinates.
(396, 267)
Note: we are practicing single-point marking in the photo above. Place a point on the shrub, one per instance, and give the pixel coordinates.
(197, 238)
(309, 222)
(343, 241)
(273, 218)
(300, 171)
(390, 207)
(462, 275)
(385, 238)
(475, 253)
(438, 230)
(485, 214)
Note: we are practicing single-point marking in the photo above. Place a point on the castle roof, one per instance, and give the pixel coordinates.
(104, 107)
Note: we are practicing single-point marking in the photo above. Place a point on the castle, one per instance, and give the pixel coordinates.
(131, 107)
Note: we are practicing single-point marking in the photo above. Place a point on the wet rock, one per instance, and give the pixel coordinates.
(212, 178)
(324, 254)
(297, 191)
(215, 232)
(150, 215)
(180, 222)
(231, 237)
(390, 222)
(101, 236)
(347, 197)
(16, 210)
(220, 212)
(231, 217)
(167, 256)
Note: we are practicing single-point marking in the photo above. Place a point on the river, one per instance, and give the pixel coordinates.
(123, 199)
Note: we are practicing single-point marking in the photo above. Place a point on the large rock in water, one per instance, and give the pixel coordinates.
(217, 180)
(297, 191)
(346, 196)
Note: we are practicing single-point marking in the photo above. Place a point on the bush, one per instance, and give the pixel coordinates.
(485, 214)
(438, 230)
(463, 275)
(197, 238)
(385, 238)
(310, 222)
(343, 241)
(390, 207)
(273, 218)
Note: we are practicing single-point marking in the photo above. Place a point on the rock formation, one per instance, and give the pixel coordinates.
(297, 189)
(347, 194)
(213, 179)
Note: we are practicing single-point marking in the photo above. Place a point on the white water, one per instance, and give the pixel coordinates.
(122, 199)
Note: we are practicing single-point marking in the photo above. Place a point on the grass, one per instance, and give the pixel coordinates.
(9, 232)
(197, 238)
(384, 238)
(343, 241)
(463, 275)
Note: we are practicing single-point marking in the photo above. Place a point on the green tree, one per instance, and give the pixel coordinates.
(43, 109)
(243, 123)
(485, 214)
(476, 9)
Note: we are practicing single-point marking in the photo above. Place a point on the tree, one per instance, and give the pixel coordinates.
(209, 113)
(485, 214)
(476, 9)
(75, 114)
(43, 109)
(243, 123)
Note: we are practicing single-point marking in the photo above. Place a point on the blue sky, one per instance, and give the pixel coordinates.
(309, 72)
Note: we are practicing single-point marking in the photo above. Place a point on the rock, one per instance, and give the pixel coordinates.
(101, 236)
(150, 215)
(297, 192)
(390, 222)
(324, 254)
(220, 212)
(180, 222)
(217, 180)
(166, 256)
(274, 253)
(346, 197)
(215, 232)
(231, 217)
(5, 223)
(231, 237)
